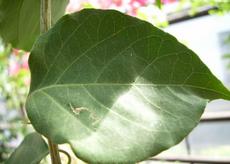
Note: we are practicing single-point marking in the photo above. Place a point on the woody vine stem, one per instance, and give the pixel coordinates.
(45, 24)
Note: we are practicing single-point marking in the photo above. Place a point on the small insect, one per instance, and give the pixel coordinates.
(95, 119)
(77, 111)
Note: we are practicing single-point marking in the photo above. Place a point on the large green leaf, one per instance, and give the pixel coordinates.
(31, 151)
(19, 20)
(116, 88)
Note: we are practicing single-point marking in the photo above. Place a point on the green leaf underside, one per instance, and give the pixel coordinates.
(19, 20)
(31, 151)
(116, 88)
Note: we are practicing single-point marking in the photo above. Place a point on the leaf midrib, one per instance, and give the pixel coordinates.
(119, 115)
(99, 84)
(127, 84)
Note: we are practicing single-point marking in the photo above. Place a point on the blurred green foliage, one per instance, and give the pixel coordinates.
(226, 56)
(14, 76)
(222, 6)
(13, 90)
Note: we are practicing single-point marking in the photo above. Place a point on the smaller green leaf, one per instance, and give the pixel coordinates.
(19, 20)
(32, 150)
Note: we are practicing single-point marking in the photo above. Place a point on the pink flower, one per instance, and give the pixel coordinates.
(117, 2)
(143, 2)
(134, 5)
(168, 1)
(25, 58)
(105, 3)
(138, 3)
(14, 68)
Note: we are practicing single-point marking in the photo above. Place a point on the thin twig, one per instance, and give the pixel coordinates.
(45, 16)
(45, 25)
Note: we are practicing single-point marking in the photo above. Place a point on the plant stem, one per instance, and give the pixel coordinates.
(54, 153)
(45, 24)
(45, 16)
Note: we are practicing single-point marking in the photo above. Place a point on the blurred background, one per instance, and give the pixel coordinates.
(202, 25)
